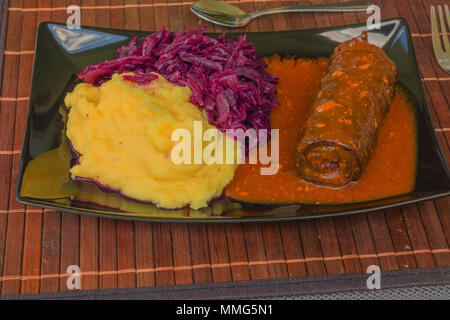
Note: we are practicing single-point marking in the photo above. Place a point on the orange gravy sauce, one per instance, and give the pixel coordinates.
(390, 171)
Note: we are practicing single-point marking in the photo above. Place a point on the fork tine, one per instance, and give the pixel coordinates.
(444, 30)
(447, 13)
(435, 33)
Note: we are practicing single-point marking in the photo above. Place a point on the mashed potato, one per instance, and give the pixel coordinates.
(122, 132)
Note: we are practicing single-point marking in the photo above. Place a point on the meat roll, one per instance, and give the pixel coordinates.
(353, 99)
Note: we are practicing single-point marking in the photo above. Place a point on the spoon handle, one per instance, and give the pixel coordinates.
(328, 7)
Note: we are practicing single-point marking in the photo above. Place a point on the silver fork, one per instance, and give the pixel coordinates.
(443, 57)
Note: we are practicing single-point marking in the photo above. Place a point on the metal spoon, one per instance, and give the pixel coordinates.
(227, 15)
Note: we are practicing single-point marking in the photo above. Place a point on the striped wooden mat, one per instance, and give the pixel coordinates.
(37, 246)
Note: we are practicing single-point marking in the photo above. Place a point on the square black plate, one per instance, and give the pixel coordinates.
(60, 54)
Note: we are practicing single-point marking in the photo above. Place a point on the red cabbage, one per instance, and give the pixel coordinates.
(141, 78)
(227, 78)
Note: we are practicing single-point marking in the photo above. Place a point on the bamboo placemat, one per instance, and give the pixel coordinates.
(37, 246)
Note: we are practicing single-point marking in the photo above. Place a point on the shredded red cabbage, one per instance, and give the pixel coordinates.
(141, 78)
(227, 78)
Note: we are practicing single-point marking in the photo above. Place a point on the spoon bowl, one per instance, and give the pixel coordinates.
(221, 13)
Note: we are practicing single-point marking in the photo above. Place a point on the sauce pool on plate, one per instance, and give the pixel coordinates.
(390, 171)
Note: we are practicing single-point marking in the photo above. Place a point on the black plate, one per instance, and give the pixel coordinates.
(62, 53)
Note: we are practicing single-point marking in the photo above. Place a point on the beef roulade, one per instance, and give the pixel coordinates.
(354, 97)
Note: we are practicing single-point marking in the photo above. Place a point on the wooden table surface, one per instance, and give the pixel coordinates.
(37, 246)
